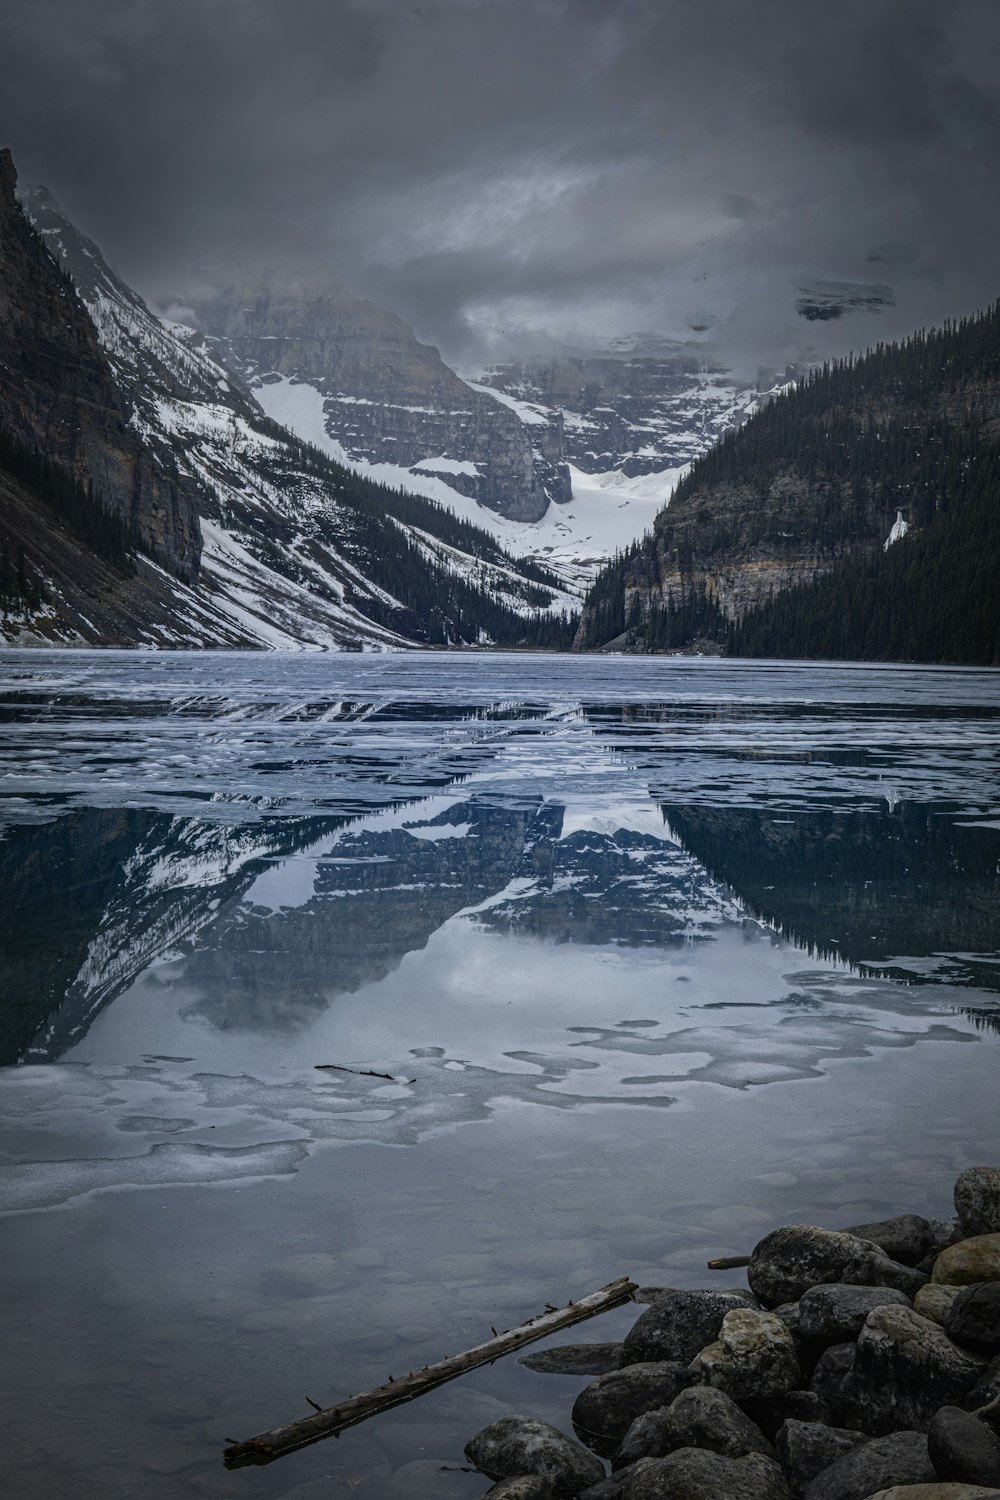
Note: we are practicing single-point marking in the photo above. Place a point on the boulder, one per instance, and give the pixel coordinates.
(934, 1301)
(754, 1356)
(695, 1474)
(985, 1393)
(804, 1406)
(805, 1449)
(517, 1446)
(608, 1489)
(771, 1411)
(647, 1437)
(977, 1200)
(788, 1261)
(936, 1492)
(976, 1259)
(679, 1324)
(974, 1318)
(527, 1487)
(873, 1268)
(906, 1238)
(836, 1314)
(904, 1368)
(899, 1458)
(607, 1407)
(832, 1369)
(702, 1417)
(963, 1448)
(574, 1359)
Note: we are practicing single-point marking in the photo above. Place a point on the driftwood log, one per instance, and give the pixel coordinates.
(729, 1262)
(329, 1421)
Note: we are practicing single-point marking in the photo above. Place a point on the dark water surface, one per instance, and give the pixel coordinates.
(657, 954)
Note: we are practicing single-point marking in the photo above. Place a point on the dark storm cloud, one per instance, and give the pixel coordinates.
(506, 172)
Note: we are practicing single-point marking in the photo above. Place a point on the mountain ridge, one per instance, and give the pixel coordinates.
(852, 516)
(286, 548)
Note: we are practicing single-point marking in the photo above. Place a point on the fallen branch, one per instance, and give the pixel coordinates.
(729, 1263)
(334, 1419)
(361, 1072)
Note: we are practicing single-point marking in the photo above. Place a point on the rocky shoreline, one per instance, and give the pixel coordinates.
(860, 1364)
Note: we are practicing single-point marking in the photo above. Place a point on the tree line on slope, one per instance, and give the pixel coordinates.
(910, 427)
(75, 505)
(413, 510)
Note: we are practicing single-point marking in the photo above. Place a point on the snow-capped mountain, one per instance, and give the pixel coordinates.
(621, 424)
(295, 551)
(639, 406)
(384, 396)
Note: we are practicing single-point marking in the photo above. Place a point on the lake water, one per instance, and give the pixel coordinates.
(656, 954)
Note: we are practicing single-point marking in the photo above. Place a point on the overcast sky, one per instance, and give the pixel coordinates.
(505, 173)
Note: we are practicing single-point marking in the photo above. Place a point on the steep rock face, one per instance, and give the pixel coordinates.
(58, 395)
(297, 551)
(386, 397)
(145, 354)
(850, 462)
(639, 408)
(724, 539)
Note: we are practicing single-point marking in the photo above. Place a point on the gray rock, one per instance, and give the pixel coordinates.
(904, 1368)
(805, 1449)
(695, 1474)
(946, 1232)
(963, 1448)
(647, 1437)
(608, 1489)
(942, 1491)
(611, 1488)
(968, 1261)
(679, 1324)
(808, 1350)
(519, 1445)
(836, 1314)
(974, 1318)
(788, 1261)
(832, 1370)
(899, 1458)
(702, 1417)
(527, 1487)
(790, 1314)
(936, 1492)
(872, 1268)
(770, 1412)
(977, 1200)
(805, 1406)
(985, 1391)
(574, 1359)
(754, 1355)
(934, 1301)
(906, 1238)
(606, 1408)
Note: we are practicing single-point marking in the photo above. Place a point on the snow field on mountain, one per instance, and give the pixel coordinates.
(607, 513)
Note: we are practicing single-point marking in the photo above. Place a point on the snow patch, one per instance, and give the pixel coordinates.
(899, 530)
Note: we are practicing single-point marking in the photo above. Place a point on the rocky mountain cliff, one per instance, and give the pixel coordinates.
(385, 397)
(641, 405)
(865, 470)
(58, 397)
(145, 497)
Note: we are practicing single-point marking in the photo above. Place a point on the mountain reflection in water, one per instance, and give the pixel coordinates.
(277, 915)
(636, 959)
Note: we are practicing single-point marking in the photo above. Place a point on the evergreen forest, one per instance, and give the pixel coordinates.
(822, 471)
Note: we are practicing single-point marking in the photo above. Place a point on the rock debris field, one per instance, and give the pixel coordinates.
(862, 1364)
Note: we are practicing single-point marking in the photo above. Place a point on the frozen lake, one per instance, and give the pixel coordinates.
(655, 954)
